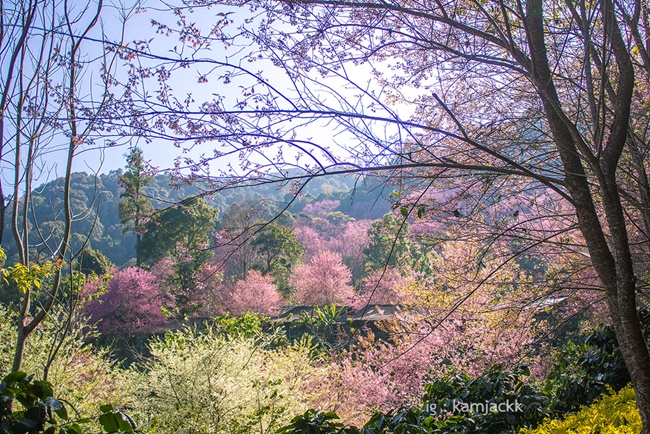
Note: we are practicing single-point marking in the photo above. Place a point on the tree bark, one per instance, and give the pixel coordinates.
(612, 261)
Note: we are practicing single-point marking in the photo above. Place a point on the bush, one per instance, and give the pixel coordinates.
(615, 413)
(82, 375)
(224, 379)
(317, 422)
(583, 372)
(28, 407)
(497, 401)
(443, 409)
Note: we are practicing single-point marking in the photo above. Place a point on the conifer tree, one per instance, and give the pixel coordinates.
(136, 208)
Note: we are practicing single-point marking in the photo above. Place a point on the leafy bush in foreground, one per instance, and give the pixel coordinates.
(81, 374)
(227, 378)
(582, 372)
(613, 414)
(28, 407)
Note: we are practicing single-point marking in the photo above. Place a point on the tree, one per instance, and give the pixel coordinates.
(132, 303)
(93, 261)
(349, 240)
(240, 224)
(136, 208)
(389, 244)
(278, 251)
(44, 52)
(322, 280)
(257, 293)
(181, 232)
(504, 99)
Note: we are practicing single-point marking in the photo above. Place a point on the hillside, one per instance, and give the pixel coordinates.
(95, 201)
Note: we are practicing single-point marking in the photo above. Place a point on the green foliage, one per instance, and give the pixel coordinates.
(316, 422)
(279, 251)
(322, 325)
(25, 277)
(38, 407)
(113, 420)
(388, 236)
(92, 261)
(136, 207)
(39, 412)
(248, 325)
(583, 372)
(181, 232)
(180, 229)
(82, 375)
(615, 413)
(18, 279)
(493, 391)
(227, 378)
(390, 245)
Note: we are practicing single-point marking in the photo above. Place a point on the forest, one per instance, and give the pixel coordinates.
(324, 216)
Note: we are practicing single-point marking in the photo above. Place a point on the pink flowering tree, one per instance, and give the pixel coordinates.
(132, 304)
(349, 240)
(384, 286)
(322, 207)
(257, 293)
(211, 295)
(323, 279)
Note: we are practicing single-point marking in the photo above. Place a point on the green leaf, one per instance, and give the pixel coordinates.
(43, 389)
(109, 422)
(25, 425)
(62, 413)
(14, 377)
(404, 211)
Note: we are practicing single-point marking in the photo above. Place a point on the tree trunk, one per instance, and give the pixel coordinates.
(612, 260)
(138, 241)
(19, 348)
(623, 304)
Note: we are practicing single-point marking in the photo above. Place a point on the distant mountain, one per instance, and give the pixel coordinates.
(95, 201)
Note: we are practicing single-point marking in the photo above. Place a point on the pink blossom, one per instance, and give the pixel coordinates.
(256, 293)
(323, 280)
(132, 304)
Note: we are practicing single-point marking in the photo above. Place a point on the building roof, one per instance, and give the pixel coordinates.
(371, 313)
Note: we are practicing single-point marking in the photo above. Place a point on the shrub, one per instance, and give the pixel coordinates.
(583, 372)
(28, 407)
(615, 413)
(317, 422)
(81, 374)
(224, 379)
(497, 401)
(443, 410)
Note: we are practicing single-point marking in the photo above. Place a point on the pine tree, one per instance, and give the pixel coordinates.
(136, 208)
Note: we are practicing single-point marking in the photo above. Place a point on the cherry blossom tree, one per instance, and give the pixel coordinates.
(322, 207)
(132, 304)
(349, 241)
(323, 279)
(386, 286)
(257, 293)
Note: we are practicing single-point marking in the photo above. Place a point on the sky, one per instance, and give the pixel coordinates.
(100, 158)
